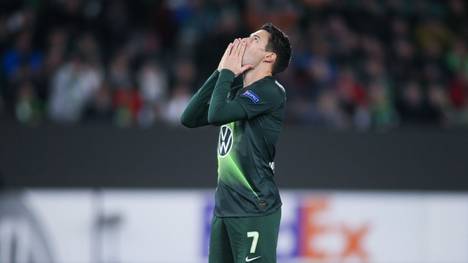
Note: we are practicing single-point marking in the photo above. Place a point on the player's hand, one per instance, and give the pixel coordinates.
(232, 58)
(225, 55)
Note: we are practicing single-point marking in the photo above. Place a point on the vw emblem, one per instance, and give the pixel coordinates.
(225, 140)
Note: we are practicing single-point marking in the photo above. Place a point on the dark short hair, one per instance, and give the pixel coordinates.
(278, 43)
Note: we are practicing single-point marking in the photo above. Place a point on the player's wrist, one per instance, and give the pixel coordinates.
(227, 73)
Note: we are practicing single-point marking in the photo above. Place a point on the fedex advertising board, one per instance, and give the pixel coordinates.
(173, 226)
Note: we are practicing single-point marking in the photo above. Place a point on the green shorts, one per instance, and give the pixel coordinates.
(244, 239)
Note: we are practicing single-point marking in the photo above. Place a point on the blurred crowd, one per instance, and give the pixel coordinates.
(359, 64)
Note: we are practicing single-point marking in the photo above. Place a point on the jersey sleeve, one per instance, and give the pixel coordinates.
(196, 112)
(221, 110)
(260, 99)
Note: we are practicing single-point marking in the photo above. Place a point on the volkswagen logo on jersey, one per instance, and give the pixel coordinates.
(225, 140)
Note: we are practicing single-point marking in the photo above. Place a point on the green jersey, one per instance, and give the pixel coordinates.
(250, 120)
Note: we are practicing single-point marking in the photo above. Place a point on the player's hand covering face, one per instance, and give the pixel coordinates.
(232, 58)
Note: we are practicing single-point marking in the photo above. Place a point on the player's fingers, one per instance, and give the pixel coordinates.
(242, 48)
(245, 68)
(239, 46)
(228, 50)
(235, 47)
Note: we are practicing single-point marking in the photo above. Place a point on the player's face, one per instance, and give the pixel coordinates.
(255, 49)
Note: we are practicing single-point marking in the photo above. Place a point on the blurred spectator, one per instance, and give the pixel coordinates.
(127, 105)
(119, 75)
(88, 47)
(21, 62)
(100, 105)
(177, 103)
(356, 64)
(127, 101)
(416, 108)
(353, 99)
(440, 105)
(330, 114)
(28, 107)
(21, 54)
(73, 86)
(459, 98)
(403, 64)
(57, 43)
(459, 90)
(457, 57)
(153, 84)
(184, 71)
(382, 110)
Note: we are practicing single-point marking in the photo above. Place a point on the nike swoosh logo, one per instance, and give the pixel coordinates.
(247, 259)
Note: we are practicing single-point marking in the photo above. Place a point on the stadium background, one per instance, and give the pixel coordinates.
(95, 167)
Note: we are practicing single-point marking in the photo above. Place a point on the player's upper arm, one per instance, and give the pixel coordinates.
(231, 111)
(259, 100)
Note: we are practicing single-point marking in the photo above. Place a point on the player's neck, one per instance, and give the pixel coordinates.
(255, 74)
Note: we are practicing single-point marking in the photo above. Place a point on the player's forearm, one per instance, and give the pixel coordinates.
(196, 112)
(221, 111)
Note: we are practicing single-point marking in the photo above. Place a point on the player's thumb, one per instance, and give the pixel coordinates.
(245, 68)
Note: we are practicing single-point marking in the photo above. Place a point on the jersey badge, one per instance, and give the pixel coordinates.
(252, 96)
